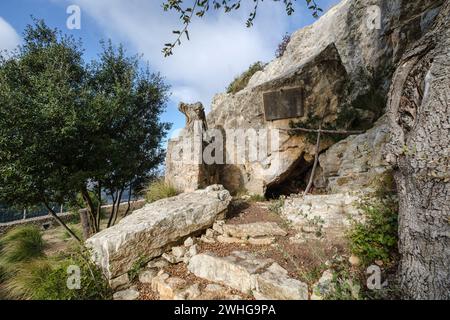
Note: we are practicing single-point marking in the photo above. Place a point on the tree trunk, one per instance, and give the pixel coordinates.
(419, 115)
(85, 225)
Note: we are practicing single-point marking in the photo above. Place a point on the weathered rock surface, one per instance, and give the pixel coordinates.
(319, 216)
(356, 163)
(245, 272)
(150, 231)
(275, 284)
(322, 59)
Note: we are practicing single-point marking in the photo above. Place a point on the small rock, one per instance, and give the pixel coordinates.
(210, 233)
(218, 226)
(120, 282)
(129, 294)
(158, 264)
(189, 293)
(189, 242)
(261, 241)
(193, 250)
(226, 239)
(178, 252)
(147, 276)
(171, 258)
(207, 240)
(354, 260)
(167, 288)
(323, 287)
(379, 263)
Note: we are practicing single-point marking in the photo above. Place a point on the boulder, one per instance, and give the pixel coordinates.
(120, 282)
(250, 274)
(150, 231)
(129, 294)
(321, 216)
(168, 287)
(355, 163)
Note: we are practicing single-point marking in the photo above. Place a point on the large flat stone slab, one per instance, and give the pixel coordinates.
(150, 231)
(245, 271)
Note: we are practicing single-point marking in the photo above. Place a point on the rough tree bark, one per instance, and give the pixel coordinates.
(419, 115)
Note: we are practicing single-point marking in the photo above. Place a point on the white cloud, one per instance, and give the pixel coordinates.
(220, 48)
(9, 39)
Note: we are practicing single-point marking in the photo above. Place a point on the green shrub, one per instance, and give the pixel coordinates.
(376, 238)
(20, 245)
(46, 279)
(158, 190)
(241, 81)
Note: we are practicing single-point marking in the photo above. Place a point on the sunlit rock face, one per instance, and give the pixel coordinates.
(343, 62)
(150, 231)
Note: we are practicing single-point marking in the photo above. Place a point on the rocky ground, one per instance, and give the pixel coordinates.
(251, 254)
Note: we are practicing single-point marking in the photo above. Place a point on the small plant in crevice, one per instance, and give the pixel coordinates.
(137, 266)
(375, 239)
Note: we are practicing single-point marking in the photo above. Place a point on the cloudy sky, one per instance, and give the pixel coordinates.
(220, 47)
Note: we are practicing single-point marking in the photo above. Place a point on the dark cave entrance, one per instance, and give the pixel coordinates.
(294, 180)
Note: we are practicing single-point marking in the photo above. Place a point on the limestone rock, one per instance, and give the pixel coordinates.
(178, 252)
(261, 241)
(171, 258)
(158, 263)
(249, 274)
(356, 163)
(321, 215)
(129, 294)
(257, 229)
(120, 282)
(275, 284)
(167, 287)
(149, 231)
(190, 293)
(236, 271)
(324, 286)
(189, 242)
(147, 276)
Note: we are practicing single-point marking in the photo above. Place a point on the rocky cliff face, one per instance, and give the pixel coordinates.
(343, 62)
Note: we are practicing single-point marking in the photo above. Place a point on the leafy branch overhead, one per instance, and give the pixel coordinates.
(200, 7)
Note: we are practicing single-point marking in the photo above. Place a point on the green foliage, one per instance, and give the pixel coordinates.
(45, 279)
(67, 127)
(158, 190)
(137, 267)
(276, 205)
(241, 81)
(376, 238)
(21, 245)
(75, 229)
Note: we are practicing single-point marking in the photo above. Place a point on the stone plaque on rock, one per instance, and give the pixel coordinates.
(283, 104)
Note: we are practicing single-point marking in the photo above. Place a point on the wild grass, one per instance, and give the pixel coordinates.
(158, 190)
(241, 81)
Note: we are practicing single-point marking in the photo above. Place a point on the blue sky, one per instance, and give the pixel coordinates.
(220, 48)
